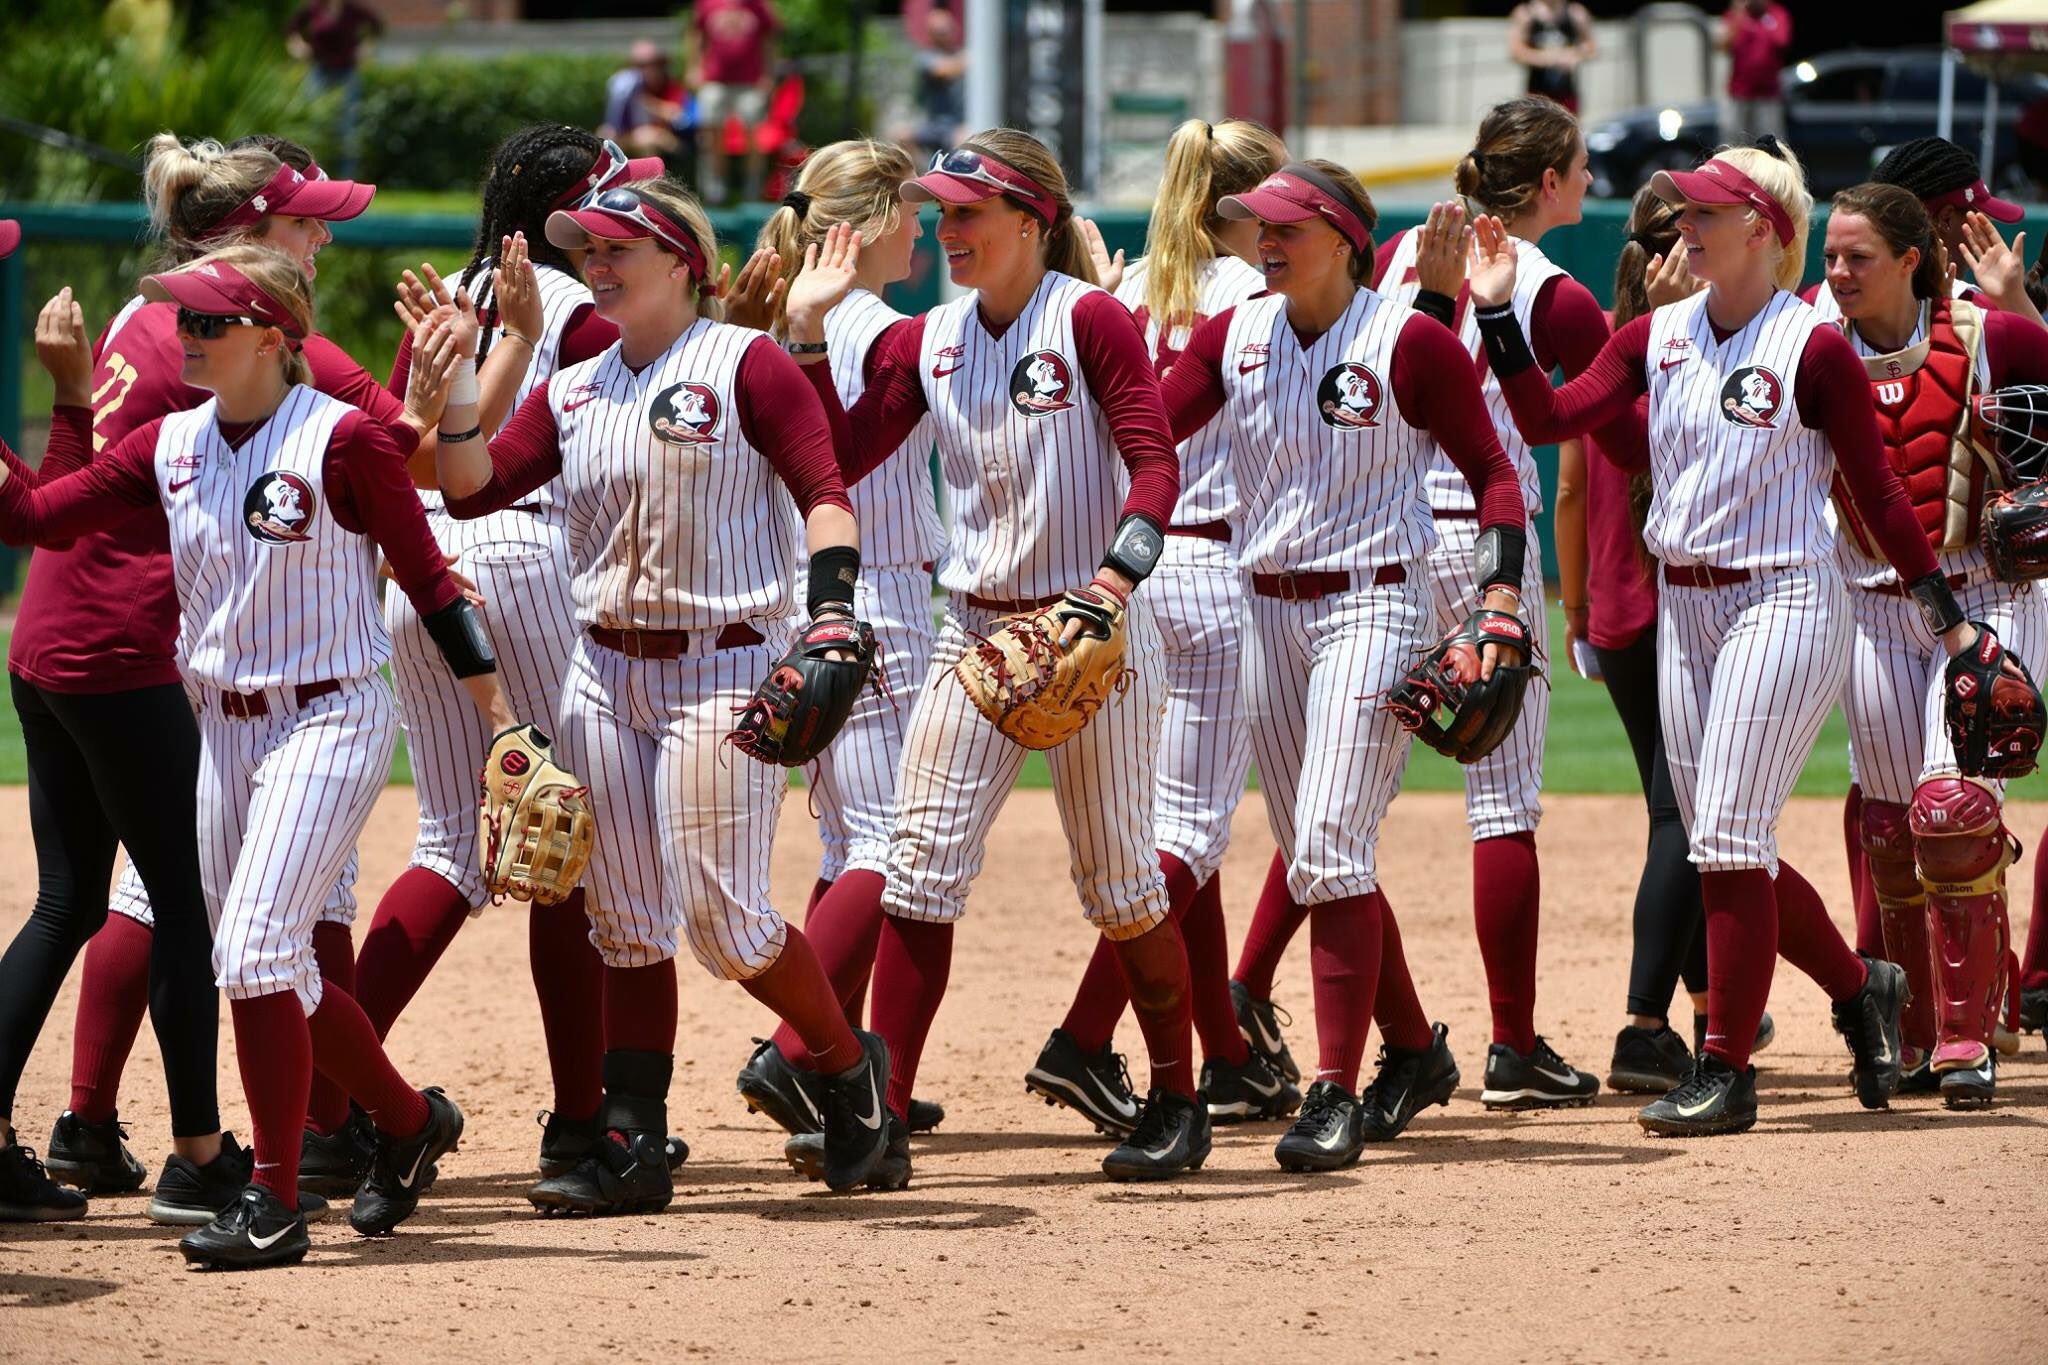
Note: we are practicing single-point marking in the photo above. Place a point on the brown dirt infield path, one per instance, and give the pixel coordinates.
(1828, 1234)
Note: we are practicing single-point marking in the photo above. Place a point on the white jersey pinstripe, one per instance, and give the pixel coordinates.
(895, 505)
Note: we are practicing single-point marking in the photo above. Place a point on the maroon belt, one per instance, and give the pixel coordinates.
(1203, 530)
(670, 644)
(1454, 513)
(1703, 576)
(1006, 607)
(243, 705)
(1309, 587)
(1897, 589)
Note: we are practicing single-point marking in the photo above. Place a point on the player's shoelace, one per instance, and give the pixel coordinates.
(1116, 1072)
(1546, 1056)
(1154, 1124)
(25, 1156)
(1386, 1070)
(1696, 1086)
(1318, 1111)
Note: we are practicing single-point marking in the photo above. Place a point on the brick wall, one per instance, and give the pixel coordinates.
(1353, 65)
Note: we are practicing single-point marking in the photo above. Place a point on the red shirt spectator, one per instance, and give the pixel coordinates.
(1758, 35)
(333, 32)
(733, 37)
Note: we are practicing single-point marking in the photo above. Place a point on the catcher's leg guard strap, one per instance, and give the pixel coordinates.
(636, 1090)
(1963, 850)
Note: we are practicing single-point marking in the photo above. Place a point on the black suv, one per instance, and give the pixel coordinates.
(1843, 110)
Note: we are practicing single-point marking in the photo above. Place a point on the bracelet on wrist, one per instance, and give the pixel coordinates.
(456, 438)
(531, 344)
(805, 347)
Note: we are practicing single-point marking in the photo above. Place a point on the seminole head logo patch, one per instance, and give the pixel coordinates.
(279, 507)
(1042, 384)
(1753, 397)
(1350, 397)
(684, 414)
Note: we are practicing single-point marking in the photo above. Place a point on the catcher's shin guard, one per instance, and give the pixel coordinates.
(1963, 849)
(1886, 834)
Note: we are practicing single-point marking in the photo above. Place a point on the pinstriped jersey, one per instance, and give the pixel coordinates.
(273, 590)
(1446, 486)
(1329, 472)
(1739, 481)
(896, 505)
(1033, 477)
(675, 520)
(1207, 492)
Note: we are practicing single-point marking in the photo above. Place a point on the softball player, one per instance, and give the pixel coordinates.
(270, 490)
(672, 449)
(853, 783)
(1935, 843)
(1337, 400)
(1196, 265)
(1046, 411)
(1754, 402)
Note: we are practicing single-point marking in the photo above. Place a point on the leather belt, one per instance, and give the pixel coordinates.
(1006, 607)
(245, 705)
(1203, 530)
(1898, 589)
(1704, 576)
(1454, 513)
(1310, 587)
(670, 644)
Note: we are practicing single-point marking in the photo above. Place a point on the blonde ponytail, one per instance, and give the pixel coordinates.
(190, 186)
(856, 181)
(1204, 162)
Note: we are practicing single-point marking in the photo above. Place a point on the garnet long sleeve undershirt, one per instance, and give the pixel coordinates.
(778, 414)
(1833, 395)
(1433, 384)
(1112, 357)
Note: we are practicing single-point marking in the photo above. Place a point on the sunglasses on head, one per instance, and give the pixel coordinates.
(212, 326)
(967, 164)
(627, 204)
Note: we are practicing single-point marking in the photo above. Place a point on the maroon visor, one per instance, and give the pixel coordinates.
(625, 215)
(1979, 198)
(1294, 194)
(300, 196)
(1719, 182)
(217, 289)
(10, 237)
(967, 176)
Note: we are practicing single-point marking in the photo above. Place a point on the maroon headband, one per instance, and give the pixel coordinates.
(1294, 194)
(1720, 182)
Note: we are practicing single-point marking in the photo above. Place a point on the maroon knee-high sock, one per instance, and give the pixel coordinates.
(414, 924)
(1506, 895)
(1808, 939)
(1742, 953)
(1344, 955)
(335, 952)
(2034, 965)
(1201, 925)
(1273, 926)
(274, 1050)
(842, 927)
(795, 986)
(1100, 998)
(347, 1049)
(818, 890)
(1155, 967)
(568, 980)
(111, 1000)
(912, 961)
(1869, 920)
(1396, 1008)
(640, 1008)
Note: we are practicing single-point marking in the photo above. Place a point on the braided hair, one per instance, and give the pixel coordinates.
(1927, 166)
(530, 170)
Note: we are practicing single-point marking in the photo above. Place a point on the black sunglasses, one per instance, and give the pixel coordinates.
(212, 326)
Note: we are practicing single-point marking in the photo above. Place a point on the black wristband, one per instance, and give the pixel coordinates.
(1135, 548)
(451, 438)
(457, 630)
(1938, 606)
(834, 571)
(1442, 307)
(1497, 558)
(1507, 350)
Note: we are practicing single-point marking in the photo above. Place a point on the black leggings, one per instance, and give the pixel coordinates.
(115, 768)
(1670, 922)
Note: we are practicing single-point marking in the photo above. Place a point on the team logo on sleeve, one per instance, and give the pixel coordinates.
(279, 508)
(1752, 397)
(1349, 397)
(684, 414)
(1042, 384)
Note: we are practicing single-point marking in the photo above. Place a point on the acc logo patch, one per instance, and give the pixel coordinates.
(1753, 397)
(684, 414)
(279, 508)
(1042, 384)
(1349, 397)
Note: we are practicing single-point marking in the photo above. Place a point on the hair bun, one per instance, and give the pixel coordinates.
(798, 201)
(1768, 144)
(1478, 161)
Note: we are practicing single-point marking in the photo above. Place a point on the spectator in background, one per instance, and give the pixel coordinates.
(941, 84)
(330, 35)
(734, 42)
(646, 110)
(1757, 36)
(1551, 38)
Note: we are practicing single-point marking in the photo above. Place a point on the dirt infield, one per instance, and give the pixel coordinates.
(1828, 1234)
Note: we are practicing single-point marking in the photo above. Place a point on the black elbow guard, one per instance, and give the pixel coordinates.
(1507, 350)
(1497, 558)
(1135, 548)
(1938, 605)
(457, 630)
(834, 571)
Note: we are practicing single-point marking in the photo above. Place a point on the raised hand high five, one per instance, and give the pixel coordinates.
(1493, 262)
(826, 278)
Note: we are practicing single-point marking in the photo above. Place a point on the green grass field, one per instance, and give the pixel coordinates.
(1588, 751)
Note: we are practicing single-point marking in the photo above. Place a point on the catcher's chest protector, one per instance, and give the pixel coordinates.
(1922, 396)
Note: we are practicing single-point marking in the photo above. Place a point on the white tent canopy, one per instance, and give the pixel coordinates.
(2000, 38)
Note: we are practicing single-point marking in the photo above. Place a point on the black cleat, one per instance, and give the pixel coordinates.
(1095, 1085)
(1172, 1137)
(93, 1156)
(1328, 1135)
(257, 1230)
(788, 1095)
(1715, 1098)
(1540, 1080)
(564, 1142)
(925, 1115)
(1869, 1020)
(1970, 1087)
(1919, 1077)
(856, 1119)
(1406, 1084)
(334, 1164)
(1648, 1061)
(806, 1155)
(2034, 1010)
(191, 1195)
(1259, 1021)
(627, 1173)
(28, 1195)
(391, 1191)
(1252, 1091)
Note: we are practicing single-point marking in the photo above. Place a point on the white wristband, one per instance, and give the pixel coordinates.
(462, 386)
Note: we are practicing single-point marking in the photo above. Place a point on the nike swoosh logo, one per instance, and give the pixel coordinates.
(1111, 1101)
(938, 373)
(1399, 1100)
(1570, 1077)
(176, 484)
(1269, 1091)
(405, 1181)
(1695, 1110)
(1243, 368)
(1333, 1141)
(817, 1119)
(266, 1243)
(873, 1118)
(568, 406)
(1667, 364)
(1160, 1153)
